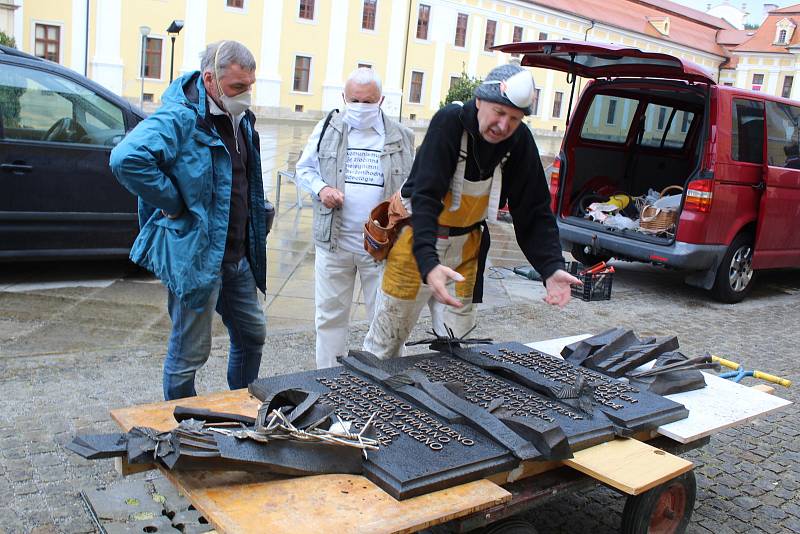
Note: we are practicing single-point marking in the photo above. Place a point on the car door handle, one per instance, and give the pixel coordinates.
(16, 168)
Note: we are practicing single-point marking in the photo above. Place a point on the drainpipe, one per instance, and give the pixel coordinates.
(86, 40)
(405, 59)
(585, 39)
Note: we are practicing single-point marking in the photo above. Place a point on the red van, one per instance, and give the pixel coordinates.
(647, 121)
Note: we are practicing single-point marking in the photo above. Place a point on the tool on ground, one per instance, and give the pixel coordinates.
(527, 272)
(740, 372)
(699, 362)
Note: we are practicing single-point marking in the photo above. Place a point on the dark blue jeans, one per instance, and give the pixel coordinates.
(235, 298)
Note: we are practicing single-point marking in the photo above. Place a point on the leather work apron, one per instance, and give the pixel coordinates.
(459, 246)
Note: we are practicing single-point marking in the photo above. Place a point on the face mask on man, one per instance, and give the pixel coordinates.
(362, 115)
(235, 105)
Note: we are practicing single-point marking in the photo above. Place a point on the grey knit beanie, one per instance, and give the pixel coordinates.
(501, 88)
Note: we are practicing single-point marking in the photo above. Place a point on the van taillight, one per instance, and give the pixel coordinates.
(555, 173)
(698, 196)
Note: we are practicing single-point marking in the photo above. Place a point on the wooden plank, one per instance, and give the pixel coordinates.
(244, 502)
(721, 404)
(158, 415)
(241, 502)
(764, 388)
(629, 465)
(122, 466)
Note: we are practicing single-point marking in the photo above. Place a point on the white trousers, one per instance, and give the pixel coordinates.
(395, 318)
(334, 283)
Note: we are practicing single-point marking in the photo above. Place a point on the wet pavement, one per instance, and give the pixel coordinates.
(78, 339)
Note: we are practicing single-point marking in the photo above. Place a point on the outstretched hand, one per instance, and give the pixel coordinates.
(558, 288)
(437, 280)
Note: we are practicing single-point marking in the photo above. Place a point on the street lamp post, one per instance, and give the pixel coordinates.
(144, 31)
(173, 31)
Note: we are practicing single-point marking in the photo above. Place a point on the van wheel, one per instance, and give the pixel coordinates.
(586, 258)
(735, 275)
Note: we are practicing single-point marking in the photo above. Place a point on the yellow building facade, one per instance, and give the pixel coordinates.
(306, 48)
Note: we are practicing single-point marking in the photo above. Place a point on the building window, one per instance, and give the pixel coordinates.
(302, 73)
(542, 36)
(782, 36)
(152, 57)
(306, 9)
(368, 15)
(557, 98)
(147, 97)
(415, 93)
(461, 30)
(423, 18)
(298, 108)
(239, 4)
(364, 66)
(516, 37)
(488, 39)
(787, 86)
(758, 81)
(685, 121)
(611, 118)
(535, 104)
(662, 117)
(48, 42)
(453, 82)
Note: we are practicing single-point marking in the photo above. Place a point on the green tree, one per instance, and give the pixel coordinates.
(461, 90)
(9, 96)
(7, 40)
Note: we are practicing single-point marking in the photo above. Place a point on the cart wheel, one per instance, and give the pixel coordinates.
(510, 526)
(586, 258)
(665, 509)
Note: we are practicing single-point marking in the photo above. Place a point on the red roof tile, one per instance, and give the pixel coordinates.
(688, 27)
(763, 40)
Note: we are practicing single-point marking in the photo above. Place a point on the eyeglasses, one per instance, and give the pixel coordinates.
(518, 89)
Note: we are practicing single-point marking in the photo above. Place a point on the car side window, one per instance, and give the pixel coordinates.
(747, 131)
(46, 107)
(783, 135)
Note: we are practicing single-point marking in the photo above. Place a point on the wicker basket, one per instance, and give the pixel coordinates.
(654, 220)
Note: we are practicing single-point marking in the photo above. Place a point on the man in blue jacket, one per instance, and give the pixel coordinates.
(195, 166)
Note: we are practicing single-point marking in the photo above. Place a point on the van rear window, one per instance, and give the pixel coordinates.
(665, 126)
(609, 119)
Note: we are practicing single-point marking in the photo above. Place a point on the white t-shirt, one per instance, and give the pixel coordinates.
(363, 183)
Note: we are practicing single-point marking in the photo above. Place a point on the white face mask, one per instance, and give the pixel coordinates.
(362, 115)
(235, 105)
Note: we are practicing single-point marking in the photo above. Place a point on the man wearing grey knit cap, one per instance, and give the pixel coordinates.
(467, 152)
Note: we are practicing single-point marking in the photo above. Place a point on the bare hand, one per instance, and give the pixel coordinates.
(437, 280)
(172, 216)
(331, 197)
(558, 288)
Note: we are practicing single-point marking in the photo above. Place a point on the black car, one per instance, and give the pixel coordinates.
(58, 198)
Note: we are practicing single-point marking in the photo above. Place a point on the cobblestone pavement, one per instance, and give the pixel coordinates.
(748, 478)
(70, 354)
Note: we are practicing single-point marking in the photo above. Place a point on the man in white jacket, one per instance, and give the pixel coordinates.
(353, 160)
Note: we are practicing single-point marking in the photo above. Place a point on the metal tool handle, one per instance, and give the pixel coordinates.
(772, 378)
(725, 363)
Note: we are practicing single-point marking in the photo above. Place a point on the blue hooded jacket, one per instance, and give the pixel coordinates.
(175, 161)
